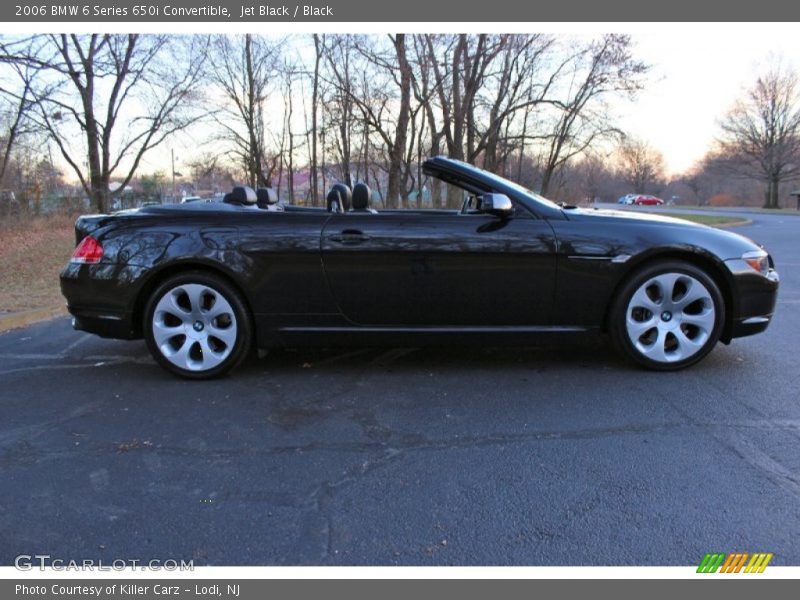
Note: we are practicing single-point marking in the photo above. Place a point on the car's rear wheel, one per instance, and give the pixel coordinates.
(667, 316)
(197, 326)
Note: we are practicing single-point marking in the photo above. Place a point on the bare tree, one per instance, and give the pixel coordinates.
(315, 92)
(459, 73)
(641, 166)
(245, 69)
(375, 78)
(762, 131)
(516, 85)
(339, 105)
(455, 68)
(17, 103)
(106, 100)
(397, 150)
(287, 157)
(209, 173)
(603, 68)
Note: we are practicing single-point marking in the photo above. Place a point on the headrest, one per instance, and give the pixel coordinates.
(344, 194)
(334, 201)
(266, 197)
(243, 195)
(361, 195)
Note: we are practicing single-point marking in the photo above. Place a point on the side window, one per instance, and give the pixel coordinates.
(435, 194)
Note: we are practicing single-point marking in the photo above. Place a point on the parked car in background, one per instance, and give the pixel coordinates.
(626, 199)
(646, 200)
(189, 199)
(203, 283)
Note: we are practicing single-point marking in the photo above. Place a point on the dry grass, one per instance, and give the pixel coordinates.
(33, 251)
(713, 220)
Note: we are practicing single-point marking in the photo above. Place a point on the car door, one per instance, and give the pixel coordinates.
(440, 268)
(282, 260)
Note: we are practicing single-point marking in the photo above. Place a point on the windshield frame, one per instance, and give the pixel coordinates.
(535, 203)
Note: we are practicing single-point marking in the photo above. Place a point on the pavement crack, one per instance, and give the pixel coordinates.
(740, 446)
(389, 448)
(319, 499)
(25, 433)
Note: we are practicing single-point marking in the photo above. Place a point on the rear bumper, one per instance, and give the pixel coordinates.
(117, 326)
(101, 298)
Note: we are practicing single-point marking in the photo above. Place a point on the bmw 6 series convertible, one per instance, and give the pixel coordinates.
(206, 283)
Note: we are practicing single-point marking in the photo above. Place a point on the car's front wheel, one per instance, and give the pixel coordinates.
(197, 326)
(667, 316)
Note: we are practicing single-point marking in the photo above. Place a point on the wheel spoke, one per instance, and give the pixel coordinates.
(696, 291)
(704, 320)
(227, 335)
(180, 356)
(164, 333)
(657, 350)
(169, 303)
(195, 293)
(642, 300)
(637, 329)
(666, 283)
(221, 307)
(687, 346)
(210, 358)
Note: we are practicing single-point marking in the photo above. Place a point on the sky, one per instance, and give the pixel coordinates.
(697, 72)
(696, 76)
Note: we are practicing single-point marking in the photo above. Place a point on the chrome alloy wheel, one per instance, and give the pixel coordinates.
(194, 327)
(670, 317)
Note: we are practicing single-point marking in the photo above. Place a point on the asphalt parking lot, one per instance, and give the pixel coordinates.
(558, 454)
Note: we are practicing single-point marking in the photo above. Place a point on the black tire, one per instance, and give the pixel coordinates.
(678, 337)
(201, 338)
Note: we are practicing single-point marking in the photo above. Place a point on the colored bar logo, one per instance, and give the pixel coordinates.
(735, 562)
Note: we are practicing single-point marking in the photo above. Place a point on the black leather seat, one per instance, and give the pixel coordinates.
(241, 195)
(267, 198)
(339, 198)
(361, 196)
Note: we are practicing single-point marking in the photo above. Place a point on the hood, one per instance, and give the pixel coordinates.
(627, 216)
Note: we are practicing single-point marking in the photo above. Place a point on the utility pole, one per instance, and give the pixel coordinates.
(173, 175)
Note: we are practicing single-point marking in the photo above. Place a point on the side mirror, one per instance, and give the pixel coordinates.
(498, 205)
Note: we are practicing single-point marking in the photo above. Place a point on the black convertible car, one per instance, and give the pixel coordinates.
(204, 283)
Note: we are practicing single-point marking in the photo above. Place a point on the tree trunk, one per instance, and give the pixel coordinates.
(290, 178)
(396, 181)
(772, 192)
(314, 103)
(547, 177)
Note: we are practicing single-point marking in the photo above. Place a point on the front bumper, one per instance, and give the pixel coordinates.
(756, 296)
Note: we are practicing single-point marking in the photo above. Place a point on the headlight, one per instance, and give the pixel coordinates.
(758, 260)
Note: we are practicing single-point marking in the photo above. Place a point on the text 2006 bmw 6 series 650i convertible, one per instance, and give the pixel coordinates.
(204, 283)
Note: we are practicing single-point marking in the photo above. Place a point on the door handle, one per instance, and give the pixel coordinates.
(349, 236)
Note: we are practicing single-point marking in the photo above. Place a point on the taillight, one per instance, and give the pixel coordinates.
(89, 251)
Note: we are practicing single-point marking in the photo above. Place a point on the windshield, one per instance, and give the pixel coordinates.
(508, 183)
(524, 190)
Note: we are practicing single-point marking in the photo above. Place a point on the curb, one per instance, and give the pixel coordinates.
(741, 223)
(28, 317)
